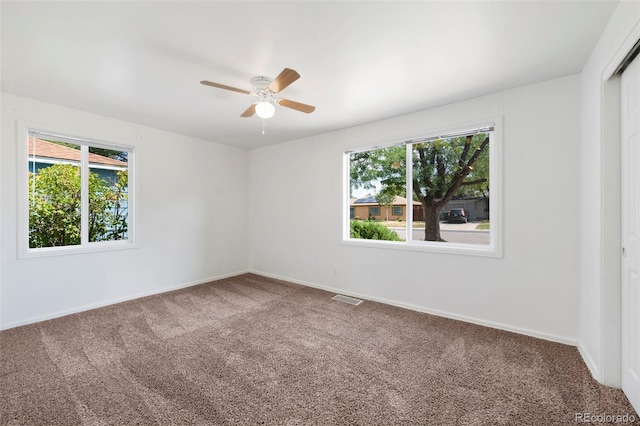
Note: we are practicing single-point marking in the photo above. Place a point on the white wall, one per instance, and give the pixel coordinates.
(547, 283)
(191, 220)
(296, 218)
(599, 340)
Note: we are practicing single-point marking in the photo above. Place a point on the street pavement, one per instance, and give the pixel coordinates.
(464, 233)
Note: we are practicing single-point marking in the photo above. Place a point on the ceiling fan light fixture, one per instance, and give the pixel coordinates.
(266, 91)
(265, 109)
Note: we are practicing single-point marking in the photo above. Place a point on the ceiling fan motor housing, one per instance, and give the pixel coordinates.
(260, 84)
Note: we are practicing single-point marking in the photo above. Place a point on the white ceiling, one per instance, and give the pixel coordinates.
(359, 61)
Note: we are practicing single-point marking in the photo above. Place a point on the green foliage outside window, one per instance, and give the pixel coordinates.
(440, 170)
(369, 230)
(55, 207)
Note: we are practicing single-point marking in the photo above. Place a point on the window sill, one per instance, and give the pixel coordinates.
(428, 247)
(71, 250)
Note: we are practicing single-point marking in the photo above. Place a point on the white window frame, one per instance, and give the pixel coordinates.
(493, 249)
(85, 246)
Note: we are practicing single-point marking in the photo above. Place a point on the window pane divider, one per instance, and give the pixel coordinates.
(84, 194)
(409, 189)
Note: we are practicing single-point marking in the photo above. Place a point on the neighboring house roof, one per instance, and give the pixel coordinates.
(45, 149)
(370, 200)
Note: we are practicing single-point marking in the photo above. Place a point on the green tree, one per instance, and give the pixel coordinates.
(384, 165)
(119, 203)
(385, 199)
(107, 220)
(441, 169)
(55, 207)
(476, 184)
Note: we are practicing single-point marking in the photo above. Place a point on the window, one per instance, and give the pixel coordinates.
(448, 184)
(78, 194)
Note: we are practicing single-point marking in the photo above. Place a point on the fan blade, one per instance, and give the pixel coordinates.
(297, 106)
(222, 86)
(285, 78)
(249, 111)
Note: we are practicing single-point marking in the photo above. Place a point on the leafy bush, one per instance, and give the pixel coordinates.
(55, 205)
(372, 231)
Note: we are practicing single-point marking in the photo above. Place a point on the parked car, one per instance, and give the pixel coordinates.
(457, 216)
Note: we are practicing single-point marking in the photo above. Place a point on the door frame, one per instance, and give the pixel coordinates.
(610, 369)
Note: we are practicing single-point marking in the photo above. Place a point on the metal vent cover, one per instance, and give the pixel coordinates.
(346, 299)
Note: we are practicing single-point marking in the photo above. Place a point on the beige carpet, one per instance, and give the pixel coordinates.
(250, 351)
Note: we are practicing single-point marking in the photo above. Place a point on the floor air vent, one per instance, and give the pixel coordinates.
(346, 299)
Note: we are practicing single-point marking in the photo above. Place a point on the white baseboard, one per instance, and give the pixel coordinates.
(588, 360)
(472, 320)
(119, 300)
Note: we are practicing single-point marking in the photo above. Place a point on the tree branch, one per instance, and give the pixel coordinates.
(476, 154)
(442, 174)
(426, 181)
(473, 182)
(465, 151)
(461, 174)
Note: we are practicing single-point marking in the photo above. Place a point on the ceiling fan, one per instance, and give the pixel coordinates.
(265, 90)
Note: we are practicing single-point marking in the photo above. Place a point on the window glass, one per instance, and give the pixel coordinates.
(450, 180)
(54, 193)
(439, 197)
(377, 183)
(108, 194)
(78, 192)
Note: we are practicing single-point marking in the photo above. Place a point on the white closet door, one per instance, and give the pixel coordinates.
(630, 95)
